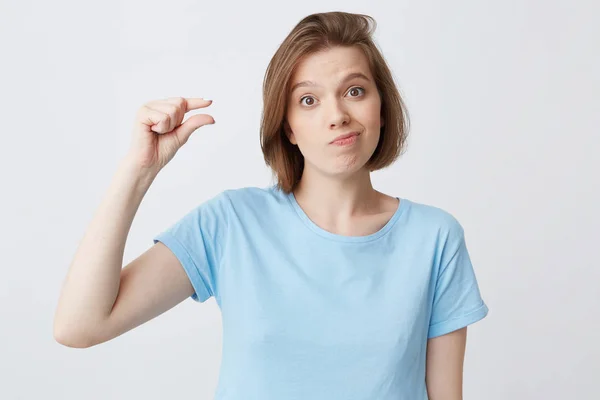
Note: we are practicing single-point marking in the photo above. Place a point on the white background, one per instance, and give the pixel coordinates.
(503, 100)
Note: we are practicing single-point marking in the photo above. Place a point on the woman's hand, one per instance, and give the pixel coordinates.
(159, 132)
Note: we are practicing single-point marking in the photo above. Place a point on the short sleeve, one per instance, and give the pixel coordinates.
(457, 299)
(197, 240)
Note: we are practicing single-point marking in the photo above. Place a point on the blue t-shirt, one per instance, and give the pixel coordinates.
(309, 314)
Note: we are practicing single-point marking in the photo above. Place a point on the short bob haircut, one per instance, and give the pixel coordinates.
(314, 33)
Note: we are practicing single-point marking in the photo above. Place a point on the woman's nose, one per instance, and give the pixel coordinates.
(338, 114)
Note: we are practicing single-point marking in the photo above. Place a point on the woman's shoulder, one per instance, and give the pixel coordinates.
(245, 194)
(255, 198)
(432, 216)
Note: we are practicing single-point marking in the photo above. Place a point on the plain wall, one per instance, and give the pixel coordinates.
(503, 101)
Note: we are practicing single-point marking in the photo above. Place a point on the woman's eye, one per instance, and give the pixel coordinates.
(354, 89)
(307, 97)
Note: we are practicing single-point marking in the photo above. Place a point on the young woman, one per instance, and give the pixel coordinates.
(328, 288)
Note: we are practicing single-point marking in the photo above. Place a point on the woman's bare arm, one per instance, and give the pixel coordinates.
(100, 299)
(445, 360)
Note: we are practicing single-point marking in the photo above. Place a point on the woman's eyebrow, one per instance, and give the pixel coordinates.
(346, 79)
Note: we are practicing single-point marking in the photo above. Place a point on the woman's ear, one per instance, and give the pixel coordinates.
(289, 133)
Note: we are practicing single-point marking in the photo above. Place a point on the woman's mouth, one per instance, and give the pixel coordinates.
(346, 140)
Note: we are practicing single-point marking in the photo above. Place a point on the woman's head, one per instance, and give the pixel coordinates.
(329, 79)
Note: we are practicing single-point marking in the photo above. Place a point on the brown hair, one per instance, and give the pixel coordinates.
(315, 33)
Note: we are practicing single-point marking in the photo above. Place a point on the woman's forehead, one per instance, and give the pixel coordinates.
(328, 66)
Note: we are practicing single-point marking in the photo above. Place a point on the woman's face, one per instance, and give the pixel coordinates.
(333, 93)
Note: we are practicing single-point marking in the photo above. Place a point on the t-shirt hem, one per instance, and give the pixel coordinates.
(201, 294)
(444, 327)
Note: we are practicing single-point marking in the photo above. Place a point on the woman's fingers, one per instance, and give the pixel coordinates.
(175, 109)
(194, 103)
(194, 122)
